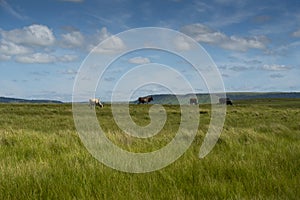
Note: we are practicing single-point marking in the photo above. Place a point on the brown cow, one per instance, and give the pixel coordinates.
(145, 99)
(193, 101)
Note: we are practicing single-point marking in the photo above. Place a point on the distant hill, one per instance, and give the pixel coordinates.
(205, 98)
(262, 95)
(17, 100)
(183, 99)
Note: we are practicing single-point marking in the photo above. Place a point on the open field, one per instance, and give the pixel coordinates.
(256, 157)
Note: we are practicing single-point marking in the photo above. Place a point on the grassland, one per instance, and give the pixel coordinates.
(256, 157)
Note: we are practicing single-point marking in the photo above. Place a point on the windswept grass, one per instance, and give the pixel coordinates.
(256, 157)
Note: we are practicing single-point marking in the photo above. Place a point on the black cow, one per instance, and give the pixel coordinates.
(226, 101)
(145, 99)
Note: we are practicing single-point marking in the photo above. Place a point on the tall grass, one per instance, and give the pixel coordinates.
(256, 157)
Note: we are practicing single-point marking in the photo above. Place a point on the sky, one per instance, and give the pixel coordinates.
(43, 44)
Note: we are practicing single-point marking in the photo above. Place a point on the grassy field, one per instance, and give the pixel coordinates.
(256, 157)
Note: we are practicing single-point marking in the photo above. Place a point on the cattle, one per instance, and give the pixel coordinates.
(145, 99)
(95, 102)
(193, 101)
(226, 101)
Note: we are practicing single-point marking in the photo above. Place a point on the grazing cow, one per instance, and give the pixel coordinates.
(95, 102)
(193, 101)
(145, 99)
(226, 101)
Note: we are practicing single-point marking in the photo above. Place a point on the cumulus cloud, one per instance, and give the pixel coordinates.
(9, 48)
(4, 57)
(72, 39)
(36, 58)
(75, 39)
(139, 60)
(183, 44)
(33, 35)
(275, 67)
(43, 58)
(102, 34)
(32, 44)
(67, 58)
(112, 45)
(203, 33)
(243, 44)
(97, 38)
(69, 72)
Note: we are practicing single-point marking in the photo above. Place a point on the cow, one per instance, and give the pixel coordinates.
(226, 101)
(145, 99)
(193, 101)
(95, 102)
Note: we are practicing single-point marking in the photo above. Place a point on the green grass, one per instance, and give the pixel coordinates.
(256, 157)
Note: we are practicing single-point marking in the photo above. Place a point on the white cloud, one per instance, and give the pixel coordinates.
(182, 43)
(239, 68)
(4, 57)
(73, 39)
(243, 44)
(296, 33)
(139, 60)
(69, 72)
(112, 45)
(202, 33)
(67, 58)
(275, 67)
(43, 58)
(33, 43)
(9, 48)
(36, 58)
(97, 38)
(33, 35)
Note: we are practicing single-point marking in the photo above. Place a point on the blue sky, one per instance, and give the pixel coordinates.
(255, 44)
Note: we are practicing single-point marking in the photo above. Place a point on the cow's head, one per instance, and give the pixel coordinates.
(100, 104)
